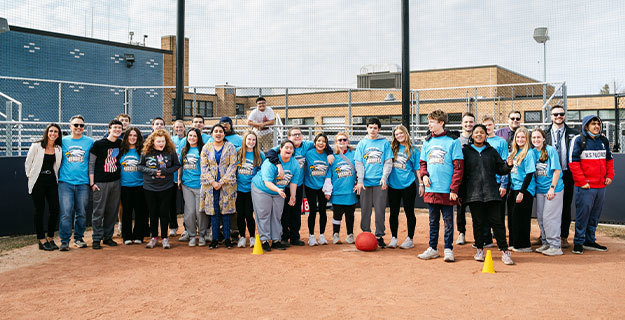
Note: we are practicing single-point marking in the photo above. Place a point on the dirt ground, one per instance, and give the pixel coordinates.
(333, 281)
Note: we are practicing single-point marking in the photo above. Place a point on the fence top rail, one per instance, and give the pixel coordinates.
(10, 99)
(560, 83)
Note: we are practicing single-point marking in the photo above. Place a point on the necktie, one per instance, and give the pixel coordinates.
(558, 141)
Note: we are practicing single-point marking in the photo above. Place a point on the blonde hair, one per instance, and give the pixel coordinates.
(515, 147)
(243, 150)
(148, 146)
(407, 143)
(336, 145)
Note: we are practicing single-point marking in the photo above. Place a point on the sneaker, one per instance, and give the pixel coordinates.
(350, 238)
(209, 237)
(565, 244)
(479, 255)
(285, 243)
(578, 249)
(461, 239)
(119, 229)
(138, 241)
(201, 242)
(184, 237)
(228, 244)
(449, 255)
(593, 246)
(336, 239)
(252, 241)
(553, 252)
(266, 246)
(110, 242)
(80, 243)
(127, 242)
(45, 246)
(542, 248)
(428, 254)
(490, 245)
(522, 250)
(214, 243)
(298, 243)
(537, 242)
(152, 243)
(277, 245)
(381, 243)
(312, 241)
(505, 257)
(166, 243)
(96, 245)
(241, 243)
(53, 245)
(407, 244)
(173, 232)
(322, 239)
(393, 243)
(64, 246)
(193, 242)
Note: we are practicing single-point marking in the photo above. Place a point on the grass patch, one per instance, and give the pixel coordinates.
(15, 242)
(615, 232)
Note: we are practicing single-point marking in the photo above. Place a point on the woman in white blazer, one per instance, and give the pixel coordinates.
(42, 170)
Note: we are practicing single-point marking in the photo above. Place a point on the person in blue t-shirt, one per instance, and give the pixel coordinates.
(315, 171)
(402, 184)
(442, 165)
(522, 190)
(74, 184)
(549, 194)
(132, 197)
(268, 195)
(341, 187)
(373, 161)
(231, 136)
(196, 222)
(249, 160)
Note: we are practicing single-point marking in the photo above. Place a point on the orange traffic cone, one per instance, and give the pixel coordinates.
(488, 263)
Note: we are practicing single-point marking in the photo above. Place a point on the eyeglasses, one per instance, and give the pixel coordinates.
(78, 125)
(295, 134)
(341, 139)
(558, 114)
(515, 118)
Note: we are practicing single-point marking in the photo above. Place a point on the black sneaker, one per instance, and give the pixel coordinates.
(110, 243)
(285, 243)
(228, 243)
(278, 245)
(64, 246)
(593, 246)
(266, 246)
(381, 243)
(578, 249)
(96, 245)
(213, 244)
(298, 243)
(53, 245)
(45, 246)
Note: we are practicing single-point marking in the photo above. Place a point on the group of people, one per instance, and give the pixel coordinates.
(224, 182)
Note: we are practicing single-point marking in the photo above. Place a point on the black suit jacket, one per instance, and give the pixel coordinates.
(569, 133)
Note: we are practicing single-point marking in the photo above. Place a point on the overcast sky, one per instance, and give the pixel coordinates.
(325, 43)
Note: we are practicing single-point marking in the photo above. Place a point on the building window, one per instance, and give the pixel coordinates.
(584, 113)
(188, 108)
(606, 114)
(240, 109)
(533, 116)
(572, 115)
(205, 108)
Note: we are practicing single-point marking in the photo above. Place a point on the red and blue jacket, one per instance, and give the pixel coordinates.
(593, 162)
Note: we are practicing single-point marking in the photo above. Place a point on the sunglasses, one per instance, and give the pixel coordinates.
(515, 119)
(341, 140)
(558, 114)
(78, 125)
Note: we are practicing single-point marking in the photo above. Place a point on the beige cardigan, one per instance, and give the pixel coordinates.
(34, 162)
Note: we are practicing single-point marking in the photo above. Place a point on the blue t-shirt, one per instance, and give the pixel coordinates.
(372, 154)
(440, 153)
(316, 169)
(300, 155)
(520, 170)
(178, 141)
(343, 180)
(191, 168)
(235, 139)
(131, 176)
(478, 149)
(404, 168)
(269, 172)
(246, 171)
(75, 164)
(544, 171)
(501, 146)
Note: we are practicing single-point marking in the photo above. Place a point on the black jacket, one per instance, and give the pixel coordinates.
(479, 183)
(569, 134)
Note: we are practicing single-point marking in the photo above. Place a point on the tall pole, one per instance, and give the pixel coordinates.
(405, 64)
(543, 110)
(179, 62)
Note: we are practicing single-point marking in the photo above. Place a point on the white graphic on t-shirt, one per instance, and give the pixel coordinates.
(318, 169)
(190, 162)
(301, 160)
(246, 168)
(373, 156)
(75, 154)
(130, 164)
(541, 169)
(286, 180)
(343, 170)
(401, 161)
(437, 155)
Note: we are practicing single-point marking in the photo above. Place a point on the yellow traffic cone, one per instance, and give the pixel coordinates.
(258, 247)
(488, 263)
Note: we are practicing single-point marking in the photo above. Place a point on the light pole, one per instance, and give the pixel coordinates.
(541, 35)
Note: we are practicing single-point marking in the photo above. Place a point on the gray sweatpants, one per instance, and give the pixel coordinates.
(268, 210)
(105, 206)
(373, 197)
(549, 216)
(196, 222)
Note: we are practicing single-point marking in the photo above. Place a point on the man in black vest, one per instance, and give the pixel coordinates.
(559, 136)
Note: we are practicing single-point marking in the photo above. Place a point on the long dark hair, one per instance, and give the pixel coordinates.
(479, 125)
(59, 138)
(187, 146)
(126, 145)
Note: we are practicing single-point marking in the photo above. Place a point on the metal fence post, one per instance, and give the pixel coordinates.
(9, 130)
(564, 99)
(195, 110)
(286, 106)
(126, 102)
(418, 115)
(349, 108)
(60, 102)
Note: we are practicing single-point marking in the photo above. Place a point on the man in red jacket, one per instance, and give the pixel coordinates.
(592, 168)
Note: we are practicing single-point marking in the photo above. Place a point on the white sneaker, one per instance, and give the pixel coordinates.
(350, 238)
(449, 255)
(184, 237)
(523, 250)
(192, 242)
(428, 254)
(312, 241)
(119, 229)
(553, 252)
(407, 244)
(152, 243)
(252, 241)
(322, 239)
(336, 239)
(137, 241)
(127, 242)
(461, 239)
(393, 243)
(166, 243)
(479, 255)
(505, 257)
(542, 248)
(201, 241)
(241, 243)
(173, 232)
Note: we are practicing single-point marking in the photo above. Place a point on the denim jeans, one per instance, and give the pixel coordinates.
(589, 203)
(73, 201)
(448, 218)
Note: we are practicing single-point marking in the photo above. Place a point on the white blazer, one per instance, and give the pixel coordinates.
(34, 162)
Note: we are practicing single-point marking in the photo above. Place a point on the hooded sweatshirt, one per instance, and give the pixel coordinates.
(592, 164)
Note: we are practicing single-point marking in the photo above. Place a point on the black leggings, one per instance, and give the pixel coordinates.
(316, 202)
(158, 206)
(395, 197)
(46, 188)
(245, 213)
(483, 212)
(519, 219)
(292, 215)
(339, 209)
(133, 200)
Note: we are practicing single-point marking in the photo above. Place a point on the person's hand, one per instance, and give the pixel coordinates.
(179, 184)
(328, 197)
(383, 184)
(519, 197)
(215, 185)
(510, 160)
(453, 196)
(421, 190)
(608, 181)
(280, 172)
(502, 192)
(95, 187)
(586, 186)
(358, 188)
(291, 200)
(330, 159)
(426, 181)
(551, 194)
(282, 194)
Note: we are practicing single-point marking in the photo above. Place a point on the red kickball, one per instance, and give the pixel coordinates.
(366, 241)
